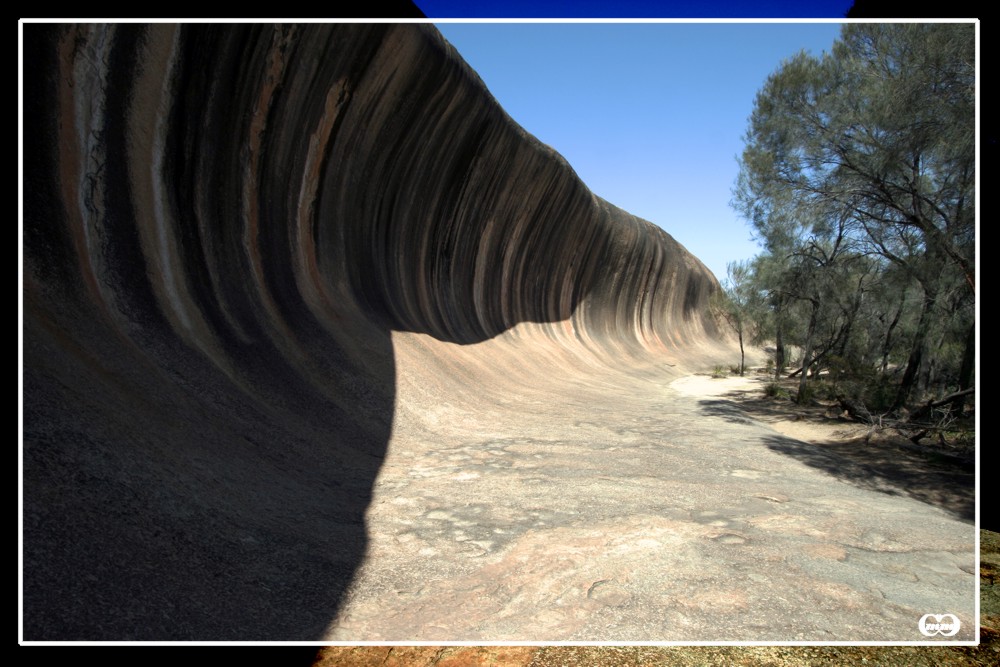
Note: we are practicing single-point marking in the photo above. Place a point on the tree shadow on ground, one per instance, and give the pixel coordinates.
(890, 470)
(884, 464)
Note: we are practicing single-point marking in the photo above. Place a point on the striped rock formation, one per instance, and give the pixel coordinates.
(257, 258)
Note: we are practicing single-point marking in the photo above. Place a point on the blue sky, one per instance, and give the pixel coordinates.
(650, 115)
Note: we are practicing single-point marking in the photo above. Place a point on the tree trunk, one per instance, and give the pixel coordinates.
(887, 345)
(850, 317)
(779, 344)
(807, 352)
(925, 410)
(916, 351)
(968, 366)
(742, 356)
(927, 379)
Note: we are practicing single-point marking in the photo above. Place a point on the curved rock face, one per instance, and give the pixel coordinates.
(225, 227)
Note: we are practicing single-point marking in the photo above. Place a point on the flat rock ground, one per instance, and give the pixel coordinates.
(645, 506)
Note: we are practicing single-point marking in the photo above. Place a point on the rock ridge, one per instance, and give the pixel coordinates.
(224, 226)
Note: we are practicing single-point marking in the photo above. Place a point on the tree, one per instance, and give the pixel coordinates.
(874, 143)
(811, 271)
(735, 302)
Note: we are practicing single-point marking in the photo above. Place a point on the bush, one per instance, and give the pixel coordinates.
(824, 389)
(775, 390)
(875, 391)
(806, 394)
(879, 393)
(719, 372)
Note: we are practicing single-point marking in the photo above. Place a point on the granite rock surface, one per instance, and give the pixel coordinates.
(320, 344)
(223, 227)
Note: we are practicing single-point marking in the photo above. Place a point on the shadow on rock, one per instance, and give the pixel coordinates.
(223, 225)
(879, 463)
(887, 469)
(724, 409)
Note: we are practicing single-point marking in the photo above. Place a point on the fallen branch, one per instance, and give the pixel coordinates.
(856, 409)
(950, 398)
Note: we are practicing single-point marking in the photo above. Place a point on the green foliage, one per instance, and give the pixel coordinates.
(736, 304)
(823, 389)
(874, 390)
(719, 372)
(818, 389)
(961, 438)
(878, 393)
(775, 390)
(865, 133)
(857, 179)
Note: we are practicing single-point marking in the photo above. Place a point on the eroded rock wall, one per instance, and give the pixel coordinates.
(223, 225)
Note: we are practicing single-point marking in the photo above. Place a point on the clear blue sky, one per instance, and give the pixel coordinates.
(651, 116)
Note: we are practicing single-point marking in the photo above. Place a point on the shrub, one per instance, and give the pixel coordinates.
(820, 389)
(775, 390)
(824, 389)
(806, 394)
(879, 393)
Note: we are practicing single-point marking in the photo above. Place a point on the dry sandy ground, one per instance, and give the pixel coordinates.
(783, 416)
